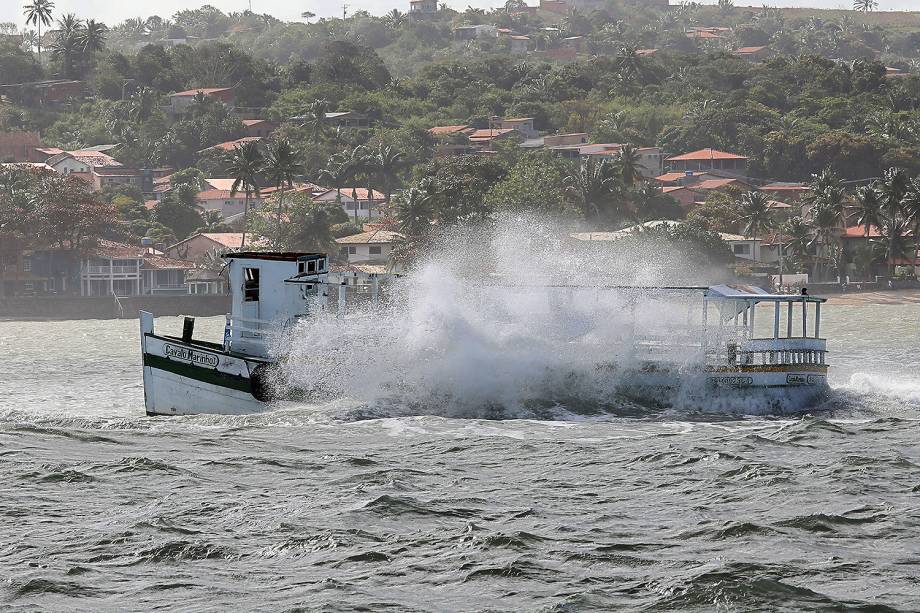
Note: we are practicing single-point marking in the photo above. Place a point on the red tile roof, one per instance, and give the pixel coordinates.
(233, 144)
(747, 50)
(439, 130)
(717, 183)
(485, 135)
(207, 91)
(860, 232)
(706, 154)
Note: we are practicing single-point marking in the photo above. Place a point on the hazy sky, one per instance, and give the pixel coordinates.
(113, 11)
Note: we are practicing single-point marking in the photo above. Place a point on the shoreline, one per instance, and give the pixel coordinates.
(886, 297)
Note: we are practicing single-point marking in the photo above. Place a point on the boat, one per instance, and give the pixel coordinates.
(726, 361)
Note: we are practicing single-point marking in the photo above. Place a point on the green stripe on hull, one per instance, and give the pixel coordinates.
(205, 375)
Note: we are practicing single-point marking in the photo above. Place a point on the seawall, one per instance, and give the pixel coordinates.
(75, 307)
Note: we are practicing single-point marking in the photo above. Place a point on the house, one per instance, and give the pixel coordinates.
(711, 185)
(202, 281)
(420, 9)
(787, 192)
(518, 44)
(650, 159)
(755, 54)
(483, 139)
(474, 32)
(524, 125)
(349, 120)
(117, 269)
(452, 140)
(38, 272)
(894, 73)
(371, 247)
(44, 93)
(672, 179)
(684, 195)
(199, 245)
(565, 140)
(230, 145)
(180, 102)
(112, 176)
(708, 159)
(744, 247)
(82, 162)
(558, 7)
(259, 128)
(646, 52)
(19, 145)
(369, 205)
(228, 203)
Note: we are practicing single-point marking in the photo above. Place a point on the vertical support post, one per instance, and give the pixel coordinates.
(804, 319)
(776, 320)
(111, 277)
(789, 321)
(753, 304)
(704, 341)
(817, 320)
(343, 293)
(375, 291)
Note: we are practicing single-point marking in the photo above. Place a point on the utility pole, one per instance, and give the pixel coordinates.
(344, 13)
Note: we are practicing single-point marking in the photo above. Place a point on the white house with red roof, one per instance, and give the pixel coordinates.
(708, 159)
(374, 246)
(358, 202)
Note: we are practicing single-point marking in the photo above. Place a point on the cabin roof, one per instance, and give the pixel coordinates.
(752, 293)
(275, 256)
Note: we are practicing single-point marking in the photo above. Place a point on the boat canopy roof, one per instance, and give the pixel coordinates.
(752, 293)
(276, 256)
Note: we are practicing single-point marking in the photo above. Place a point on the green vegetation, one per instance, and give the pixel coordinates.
(821, 105)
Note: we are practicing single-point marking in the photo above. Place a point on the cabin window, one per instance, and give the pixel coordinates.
(321, 265)
(374, 250)
(311, 266)
(251, 284)
(300, 268)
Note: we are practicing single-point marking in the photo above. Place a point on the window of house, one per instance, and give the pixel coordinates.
(350, 206)
(251, 284)
(27, 265)
(374, 250)
(352, 250)
(363, 206)
(28, 286)
(741, 249)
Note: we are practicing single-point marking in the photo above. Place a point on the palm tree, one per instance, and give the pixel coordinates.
(281, 168)
(865, 6)
(630, 165)
(895, 218)
(755, 213)
(825, 219)
(593, 185)
(335, 173)
(357, 162)
(92, 38)
(797, 233)
(912, 212)
(315, 118)
(244, 164)
(389, 162)
(869, 208)
(38, 13)
(212, 221)
(66, 44)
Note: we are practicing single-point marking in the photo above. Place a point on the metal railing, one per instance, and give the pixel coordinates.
(114, 270)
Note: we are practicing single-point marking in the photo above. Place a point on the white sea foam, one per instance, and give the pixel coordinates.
(489, 326)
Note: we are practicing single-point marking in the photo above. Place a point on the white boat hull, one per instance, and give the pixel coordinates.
(182, 378)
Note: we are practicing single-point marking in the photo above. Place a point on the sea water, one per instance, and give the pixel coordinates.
(387, 496)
